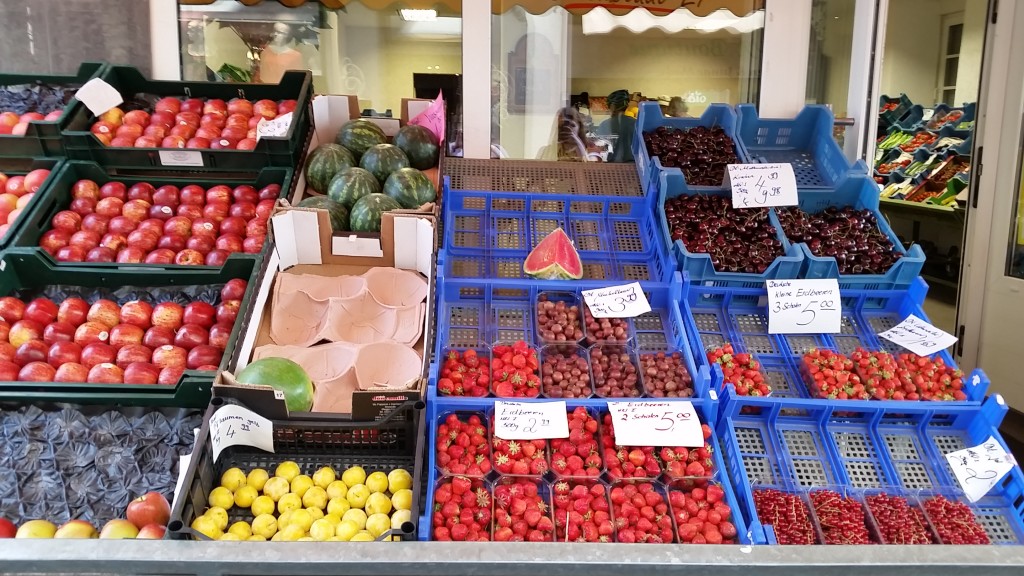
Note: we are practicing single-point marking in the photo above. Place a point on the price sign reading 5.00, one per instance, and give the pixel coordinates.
(656, 424)
(804, 306)
(762, 185)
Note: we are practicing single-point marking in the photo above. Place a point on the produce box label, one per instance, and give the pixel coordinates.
(181, 158)
(918, 336)
(762, 185)
(980, 468)
(656, 424)
(627, 301)
(530, 420)
(804, 306)
(233, 425)
(372, 406)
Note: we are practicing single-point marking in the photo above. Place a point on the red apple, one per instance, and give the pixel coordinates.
(173, 141)
(97, 224)
(198, 142)
(242, 209)
(123, 334)
(36, 372)
(170, 356)
(7, 351)
(204, 355)
(9, 371)
(131, 255)
(122, 142)
(158, 131)
(83, 206)
(142, 373)
(191, 335)
(31, 351)
(58, 332)
(237, 121)
(158, 336)
(114, 241)
(84, 239)
(106, 312)
(16, 185)
(212, 120)
(98, 353)
(240, 106)
(169, 104)
(11, 309)
(234, 224)
(188, 119)
(246, 144)
(154, 225)
(150, 508)
(188, 257)
(137, 209)
(166, 196)
(165, 119)
(77, 529)
(140, 117)
(219, 193)
(67, 221)
(220, 334)
(90, 332)
(101, 254)
(183, 131)
(216, 257)
(147, 142)
(122, 225)
(193, 194)
(86, 189)
(73, 311)
(270, 192)
(109, 207)
(5, 330)
(190, 211)
(200, 313)
(227, 312)
(207, 133)
(54, 240)
(253, 123)
(71, 254)
(136, 313)
(286, 106)
(129, 132)
(233, 134)
(264, 209)
(144, 240)
(178, 225)
(71, 372)
(141, 191)
(160, 256)
(161, 212)
(168, 315)
(230, 243)
(106, 374)
(201, 244)
(173, 242)
(64, 352)
(34, 180)
(131, 353)
(114, 190)
(253, 244)
(42, 310)
(24, 330)
(192, 105)
(170, 375)
(216, 211)
(265, 108)
(103, 127)
(204, 227)
(222, 143)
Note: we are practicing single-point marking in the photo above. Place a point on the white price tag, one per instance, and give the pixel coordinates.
(804, 306)
(656, 424)
(762, 185)
(98, 96)
(181, 158)
(276, 128)
(980, 468)
(626, 301)
(918, 336)
(233, 425)
(530, 420)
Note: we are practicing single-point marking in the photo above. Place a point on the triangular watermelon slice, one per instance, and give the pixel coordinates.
(555, 258)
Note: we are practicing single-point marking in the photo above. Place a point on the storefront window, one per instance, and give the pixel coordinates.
(381, 56)
(555, 70)
(829, 57)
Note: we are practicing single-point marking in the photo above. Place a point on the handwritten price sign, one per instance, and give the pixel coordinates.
(804, 306)
(980, 468)
(656, 424)
(276, 128)
(762, 185)
(918, 336)
(234, 425)
(627, 301)
(530, 420)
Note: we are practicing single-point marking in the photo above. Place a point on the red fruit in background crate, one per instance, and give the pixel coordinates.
(520, 457)
(105, 312)
(37, 372)
(521, 514)
(514, 371)
(930, 379)
(842, 519)
(898, 522)
(830, 375)
(462, 511)
(582, 512)
(641, 514)
(11, 309)
(579, 455)
(786, 514)
(741, 370)
(464, 374)
(702, 516)
(461, 446)
(954, 522)
(73, 311)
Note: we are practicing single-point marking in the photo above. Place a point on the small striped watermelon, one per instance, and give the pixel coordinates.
(383, 159)
(359, 135)
(351, 185)
(368, 210)
(419, 144)
(410, 187)
(324, 162)
(338, 213)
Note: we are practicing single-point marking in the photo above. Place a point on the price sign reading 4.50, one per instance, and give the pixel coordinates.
(980, 468)
(804, 306)
(762, 185)
(656, 424)
(530, 420)
(233, 425)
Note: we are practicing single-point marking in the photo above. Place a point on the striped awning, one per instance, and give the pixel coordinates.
(617, 7)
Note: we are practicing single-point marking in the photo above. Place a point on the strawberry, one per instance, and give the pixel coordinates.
(641, 513)
(715, 527)
(461, 445)
(930, 378)
(581, 511)
(578, 455)
(830, 375)
(462, 510)
(521, 512)
(741, 370)
(514, 371)
(462, 375)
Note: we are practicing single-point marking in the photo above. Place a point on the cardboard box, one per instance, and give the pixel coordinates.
(303, 244)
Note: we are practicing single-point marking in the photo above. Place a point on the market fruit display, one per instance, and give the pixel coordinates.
(851, 236)
(582, 512)
(519, 457)
(554, 258)
(701, 153)
(143, 223)
(350, 185)
(324, 163)
(464, 373)
(284, 375)
(360, 135)
(367, 212)
(15, 194)
(101, 341)
(628, 500)
(565, 372)
(382, 160)
(736, 240)
(90, 471)
(702, 515)
(336, 210)
(410, 188)
(187, 123)
(462, 446)
(419, 144)
(614, 372)
(898, 521)
(879, 375)
(462, 511)
(741, 370)
(289, 506)
(514, 371)
(558, 318)
(521, 512)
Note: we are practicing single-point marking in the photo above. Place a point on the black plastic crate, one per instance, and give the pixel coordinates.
(286, 151)
(43, 138)
(393, 442)
(12, 166)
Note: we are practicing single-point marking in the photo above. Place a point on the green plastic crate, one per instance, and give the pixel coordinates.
(44, 138)
(56, 196)
(81, 144)
(12, 166)
(22, 271)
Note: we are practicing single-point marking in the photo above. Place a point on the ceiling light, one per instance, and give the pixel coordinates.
(410, 15)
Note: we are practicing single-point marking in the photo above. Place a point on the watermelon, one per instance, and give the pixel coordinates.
(367, 212)
(410, 187)
(359, 135)
(337, 211)
(419, 144)
(284, 375)
(383, 159)
(554, 258)
(351, 185)
(324, 162)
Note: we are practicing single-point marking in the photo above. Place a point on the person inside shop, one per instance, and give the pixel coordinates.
(620, 127)
(569, 140)
(281, 54)
(677, 108)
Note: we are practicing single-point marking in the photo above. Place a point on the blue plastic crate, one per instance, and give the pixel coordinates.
(440, 406)
(739, 316)
(698, 266)
(598, 270)
(806, 142)
(799, 444)
(650, 118)
(886, 119)
(479, 314)
(859, 193)
(912, 119)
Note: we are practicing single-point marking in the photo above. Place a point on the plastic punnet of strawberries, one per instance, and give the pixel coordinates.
(830, 374)
(702, 515)
(676, 462)
(741, 370)
(640, 513)
(521, 513)
(582, 512)
(461, 446)
(520, 457)
(878, 372)
(514, 371)
(579, 455)
(462, 510)
(464, 374)
(931, 378)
